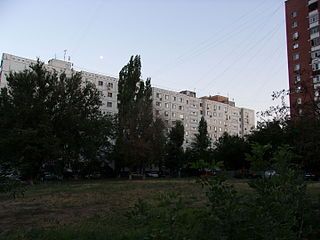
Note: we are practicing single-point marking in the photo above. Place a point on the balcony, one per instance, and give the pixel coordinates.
(314, 24)
(315, 48)
(314, 35)
(311, 2)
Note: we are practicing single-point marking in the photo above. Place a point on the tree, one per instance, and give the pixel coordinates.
(174, 149)
(48, 119)
(158, 143)
(135, 120)
(231, 151)
(201, 146)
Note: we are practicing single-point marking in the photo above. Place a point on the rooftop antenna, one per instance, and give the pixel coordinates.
(55, 56)
(69, 58)
(64, 55)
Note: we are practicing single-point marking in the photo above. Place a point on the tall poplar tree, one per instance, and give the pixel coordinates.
(133, 144)
(174, 149)
(201, 145)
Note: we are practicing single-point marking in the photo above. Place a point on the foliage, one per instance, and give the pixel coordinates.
(278, 209)
(50, 119)
(174, 149)
(158, 143)
(135, 121)
(231, 151)
(12, 187)
(259, 157)
(201, 146)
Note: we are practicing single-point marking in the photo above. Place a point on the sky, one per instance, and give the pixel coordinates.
(235, 48)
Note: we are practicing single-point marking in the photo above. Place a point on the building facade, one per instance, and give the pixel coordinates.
(303, 49)
(221, 114)
(107, 86)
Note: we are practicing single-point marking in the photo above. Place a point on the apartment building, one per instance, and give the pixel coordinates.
(220, 113)
(107, 86)
(303, 48)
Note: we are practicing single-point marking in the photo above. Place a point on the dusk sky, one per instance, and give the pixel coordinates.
(235, 48)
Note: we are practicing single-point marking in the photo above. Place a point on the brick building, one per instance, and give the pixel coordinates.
(303, 48)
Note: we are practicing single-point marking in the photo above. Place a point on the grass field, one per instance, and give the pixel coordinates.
(92, 209)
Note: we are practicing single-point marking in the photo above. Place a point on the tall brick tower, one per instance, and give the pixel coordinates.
(303, 47)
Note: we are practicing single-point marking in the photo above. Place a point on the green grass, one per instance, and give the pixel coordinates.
(94, 209)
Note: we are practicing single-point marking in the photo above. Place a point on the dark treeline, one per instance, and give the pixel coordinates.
(53, 123)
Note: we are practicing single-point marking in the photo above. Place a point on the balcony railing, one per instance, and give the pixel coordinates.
(312, 1)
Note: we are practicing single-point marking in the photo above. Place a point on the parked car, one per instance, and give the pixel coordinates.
(153, 174)
(270, 173)
(48, 176)
(309, 176)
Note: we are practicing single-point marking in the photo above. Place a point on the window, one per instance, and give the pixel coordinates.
(297, 78)
(295, 46)
(299, 101)
(174, 98)
(174, 106)
(295, 36)
(298, 89)
(297, 67)
(100, 83)
(158, 104)
(313, 18)
(110, 85)
(181, 100)
(315, 54)
(166, 114)
(157, 112)
(294, 14)
(166, 97)
(187, 101)
(181, 116)
(296, 56)
(158, 95)
(316, 66)
(109, 104)
(294, 24)
(109, 94)
(316, 79)
(180, 107)
(173, 114)
(314, 30)
(166, 105)
(316, 86)
(315, 42)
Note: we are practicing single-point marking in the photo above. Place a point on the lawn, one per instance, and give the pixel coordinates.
(92, 209)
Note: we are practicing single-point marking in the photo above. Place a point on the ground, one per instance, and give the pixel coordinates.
(92, 204)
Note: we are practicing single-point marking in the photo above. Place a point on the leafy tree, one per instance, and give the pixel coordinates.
(49, 120)
(201, 146)
(174, 149)
(135, 120)
(158, 143)
(231, 151)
